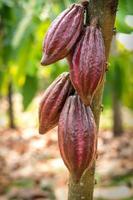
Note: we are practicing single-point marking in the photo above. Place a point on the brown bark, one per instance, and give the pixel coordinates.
(105, 10)
(10, 109)
(117, 116)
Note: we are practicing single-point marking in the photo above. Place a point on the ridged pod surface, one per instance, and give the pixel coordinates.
(77, 136)
(53, 101)
(63, 34)
(87, 63)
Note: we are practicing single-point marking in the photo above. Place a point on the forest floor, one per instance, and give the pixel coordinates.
(31, 167)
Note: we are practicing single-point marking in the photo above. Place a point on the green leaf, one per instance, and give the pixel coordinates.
(29, 90)
(129, 4)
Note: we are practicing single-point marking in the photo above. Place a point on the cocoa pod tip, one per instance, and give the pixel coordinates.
(44, 60)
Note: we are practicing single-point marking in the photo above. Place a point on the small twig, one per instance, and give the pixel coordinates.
(102, 108)
(114, 31)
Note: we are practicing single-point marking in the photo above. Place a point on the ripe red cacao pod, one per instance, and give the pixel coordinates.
(53, 101)
(63, 34)
(77, 136)
(87, 63)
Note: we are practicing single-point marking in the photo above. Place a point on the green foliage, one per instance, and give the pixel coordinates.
(23, 183)
(29, 90)
(119, 79)
(121, 179)
(125, 8)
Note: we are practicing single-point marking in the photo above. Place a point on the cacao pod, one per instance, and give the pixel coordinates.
(52, 102)
(87, 63)
(77, 136)
(63, 34)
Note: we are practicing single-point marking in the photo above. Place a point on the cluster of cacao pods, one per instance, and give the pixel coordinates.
(67, 100)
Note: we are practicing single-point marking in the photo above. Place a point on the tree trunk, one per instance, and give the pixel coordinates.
(10, 108)
(117, 116)
(105, 10)
(116, 93)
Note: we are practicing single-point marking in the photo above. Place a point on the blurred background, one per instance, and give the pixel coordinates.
(30, 164)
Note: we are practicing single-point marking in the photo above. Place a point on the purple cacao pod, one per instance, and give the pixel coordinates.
(53, 101)
(87, 63)
(77, 136)
(63, 34)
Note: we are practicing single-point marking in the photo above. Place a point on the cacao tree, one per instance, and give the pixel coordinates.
(21, 65)
(106, 12)
(88, 53)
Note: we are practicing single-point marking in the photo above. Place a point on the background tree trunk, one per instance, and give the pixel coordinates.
(117, 116)
(105, 10)
(116, 91)
(10, 108)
